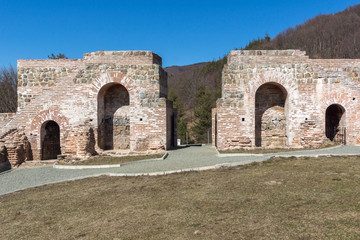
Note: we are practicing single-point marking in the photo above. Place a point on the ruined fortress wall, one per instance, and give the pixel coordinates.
(309, 86)
(69, 91)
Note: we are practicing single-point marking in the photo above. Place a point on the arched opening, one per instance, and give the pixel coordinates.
(335, 123)
(50, 140)
(270, 116)
(113, 117)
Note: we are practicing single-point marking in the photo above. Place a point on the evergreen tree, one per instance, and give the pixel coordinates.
(58, 56)
(257, 43)
(202, 112)
(181, 121)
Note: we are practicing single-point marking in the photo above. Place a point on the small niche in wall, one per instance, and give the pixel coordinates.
(354, 99)
(140, 119)
(306, 119)
(243, 119)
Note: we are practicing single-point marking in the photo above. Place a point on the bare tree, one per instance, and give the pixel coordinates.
(8, 87)
(324, 36)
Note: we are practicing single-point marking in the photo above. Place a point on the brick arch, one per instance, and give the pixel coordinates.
(48, 115)
(345, 102)
(45, 116)
(113, 117)
(271, 111)
(109, 78)
(284, 80)
(112, 77)
(335, 98)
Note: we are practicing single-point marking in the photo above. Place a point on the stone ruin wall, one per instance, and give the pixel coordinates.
(66, 91)
(310, 86)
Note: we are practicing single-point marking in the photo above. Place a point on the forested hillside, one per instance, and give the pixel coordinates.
(194, 90)
(325, 36)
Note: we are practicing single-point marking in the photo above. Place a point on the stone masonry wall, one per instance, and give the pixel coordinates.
(67, 92)
(214, 127)
(310, 86)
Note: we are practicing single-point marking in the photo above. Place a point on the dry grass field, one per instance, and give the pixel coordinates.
(304, 198)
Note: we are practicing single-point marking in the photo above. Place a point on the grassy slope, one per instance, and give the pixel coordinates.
(281, 199)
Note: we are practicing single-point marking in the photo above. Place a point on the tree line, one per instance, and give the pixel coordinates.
(325, 36)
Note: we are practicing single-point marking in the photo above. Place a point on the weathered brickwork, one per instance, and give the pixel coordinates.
(79, 107)
(284, 99)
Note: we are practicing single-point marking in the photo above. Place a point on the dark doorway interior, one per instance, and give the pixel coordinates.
(335, 122)
(50, 140)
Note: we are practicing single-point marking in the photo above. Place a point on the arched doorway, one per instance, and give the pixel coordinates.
(50, 140)
(270, 116)
(113, 117)
(335, 123)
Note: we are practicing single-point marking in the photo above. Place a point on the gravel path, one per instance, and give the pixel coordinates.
(187, 158)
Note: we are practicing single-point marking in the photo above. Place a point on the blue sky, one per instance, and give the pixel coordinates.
(181, 32)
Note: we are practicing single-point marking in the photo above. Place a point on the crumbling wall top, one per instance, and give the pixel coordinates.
(123, 57)
(290, 56)
(289, 52)
(100, 57)
(49, 63)
(239, 56)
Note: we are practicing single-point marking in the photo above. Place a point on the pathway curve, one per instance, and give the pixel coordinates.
(184, 159)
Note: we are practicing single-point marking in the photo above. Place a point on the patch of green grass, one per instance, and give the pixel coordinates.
(107, 160)
(290, 198)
